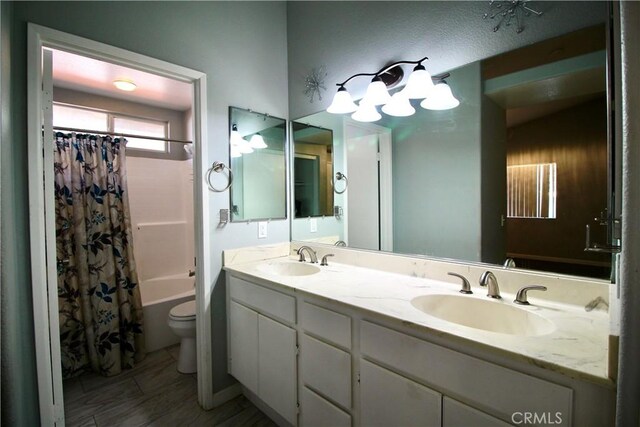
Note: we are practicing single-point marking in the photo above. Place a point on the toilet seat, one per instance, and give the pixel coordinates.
(184, 312)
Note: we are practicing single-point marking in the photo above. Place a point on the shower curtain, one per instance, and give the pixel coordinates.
(100, 309)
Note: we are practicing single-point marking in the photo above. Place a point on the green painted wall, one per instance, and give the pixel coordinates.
(437, 175)
(19, 387)
(242, 48)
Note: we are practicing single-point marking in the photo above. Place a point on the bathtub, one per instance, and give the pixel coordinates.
(159, 296)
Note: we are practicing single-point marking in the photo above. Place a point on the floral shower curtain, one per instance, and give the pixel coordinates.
(100, 309)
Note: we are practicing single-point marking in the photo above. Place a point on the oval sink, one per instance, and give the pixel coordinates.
(487, 315)
(289, 269)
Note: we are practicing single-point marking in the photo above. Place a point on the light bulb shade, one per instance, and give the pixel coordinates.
(399, 106)
(440, 98)
(235, 152)
(342, 103)
(257, 141)
(238, 142)
(419, 85)
(366, 113)
(376, 94)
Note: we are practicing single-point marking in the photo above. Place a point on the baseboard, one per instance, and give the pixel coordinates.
(223, 396)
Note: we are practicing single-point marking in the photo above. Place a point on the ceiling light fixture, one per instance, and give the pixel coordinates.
(420, 85)
(126, 85)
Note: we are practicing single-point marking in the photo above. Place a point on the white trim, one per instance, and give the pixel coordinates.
(49, 411)
(47, 361)
(386, 191)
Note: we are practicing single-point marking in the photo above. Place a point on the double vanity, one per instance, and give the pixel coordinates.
(375, 339)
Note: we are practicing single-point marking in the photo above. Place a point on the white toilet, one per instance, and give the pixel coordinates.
(182, 321)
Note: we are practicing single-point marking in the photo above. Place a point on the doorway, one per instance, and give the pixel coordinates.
(42, 213)
(369, 199)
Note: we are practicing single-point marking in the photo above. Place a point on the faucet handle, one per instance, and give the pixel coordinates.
(301, 253)
(466, 286)
(521, 296)
(324, 259)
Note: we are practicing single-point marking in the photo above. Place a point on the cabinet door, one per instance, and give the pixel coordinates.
(243, 345)
(456, 414)
(388, 399)
(318, 412)
(277, 378)
(326, 369)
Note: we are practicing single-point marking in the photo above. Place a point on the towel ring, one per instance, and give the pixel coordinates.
(218, 167)
(339, 177)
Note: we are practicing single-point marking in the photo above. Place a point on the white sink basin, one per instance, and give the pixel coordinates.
(289, 269)
(492, 316)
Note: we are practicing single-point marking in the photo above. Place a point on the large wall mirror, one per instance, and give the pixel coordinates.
(517, 170)
(312, 170)
(257, 150)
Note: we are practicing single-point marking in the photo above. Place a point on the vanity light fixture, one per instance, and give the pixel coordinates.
(441, 98)
(236, 141)
(257, 142)
(366, 113)
(126, 85)
(399, 106)
(420, 85)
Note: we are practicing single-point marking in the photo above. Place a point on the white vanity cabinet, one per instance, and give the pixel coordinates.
(359, 369)
(456, 414)
(262, 351)
(478, 383)
(325, 366)
(389, 399)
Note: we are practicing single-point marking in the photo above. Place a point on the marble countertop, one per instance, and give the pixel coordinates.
(577, 347)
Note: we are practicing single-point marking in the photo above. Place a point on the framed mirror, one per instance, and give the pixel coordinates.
(258, 160)
(516, 171)
(312, 170)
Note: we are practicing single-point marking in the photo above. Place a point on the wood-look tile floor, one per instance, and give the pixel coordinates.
(155, 394)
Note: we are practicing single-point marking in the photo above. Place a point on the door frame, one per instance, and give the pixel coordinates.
(42, 224)
(385, 178)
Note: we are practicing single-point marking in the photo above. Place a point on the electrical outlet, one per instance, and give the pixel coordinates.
(262, 229)
(313, 225)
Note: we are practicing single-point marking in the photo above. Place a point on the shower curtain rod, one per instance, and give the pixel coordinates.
(126, 135)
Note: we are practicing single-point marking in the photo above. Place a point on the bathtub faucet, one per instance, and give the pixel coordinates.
(192, 273)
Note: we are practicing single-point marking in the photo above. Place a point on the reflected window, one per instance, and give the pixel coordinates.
(97, 121)
(531, 191)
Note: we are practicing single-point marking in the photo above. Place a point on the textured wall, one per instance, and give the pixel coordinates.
(242, 48)
(360, 36)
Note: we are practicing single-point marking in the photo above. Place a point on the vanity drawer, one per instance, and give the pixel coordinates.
(266, 301)
(333, 327)
(479, 383)
(326, 369)
(317, 412)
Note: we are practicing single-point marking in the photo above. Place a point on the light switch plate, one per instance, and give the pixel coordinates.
(313, 225)
(262, 229)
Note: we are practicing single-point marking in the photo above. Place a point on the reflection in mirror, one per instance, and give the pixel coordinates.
(257, 149)
(312, 170)
(516, 171)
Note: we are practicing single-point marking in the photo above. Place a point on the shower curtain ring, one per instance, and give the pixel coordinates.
(339, 177)
(218, 167)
